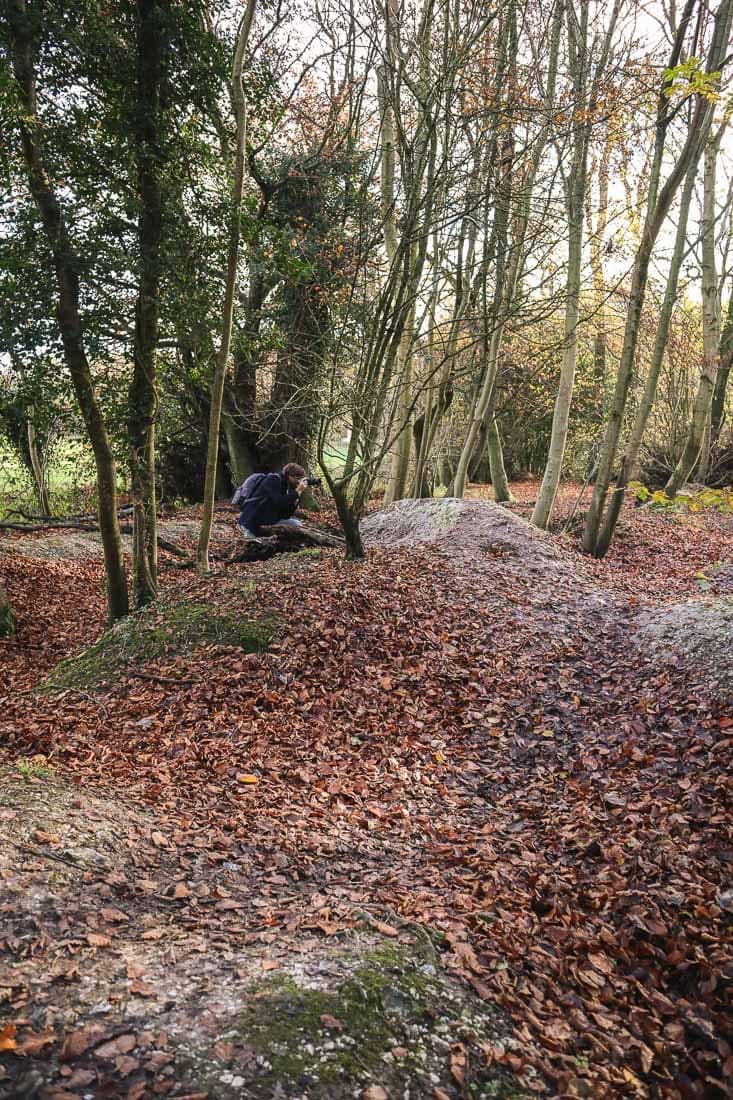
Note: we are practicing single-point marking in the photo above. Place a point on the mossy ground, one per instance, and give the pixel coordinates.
(386, 1017)
(157, 631)
(340, 1013)
(7, 621)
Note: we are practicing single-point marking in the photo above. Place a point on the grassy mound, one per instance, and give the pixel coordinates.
(161, 630)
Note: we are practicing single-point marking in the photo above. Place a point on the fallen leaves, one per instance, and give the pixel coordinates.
(113, 915)
(78, 1042)
(125, 1065)
(97, 939)
(473, 750)
(331, 1022)
(46, 838)
(33, 1042)
(153, 934)
(141, 988)
(121, 1045)
(7, 1037)
(385, 929)
(458, 1063)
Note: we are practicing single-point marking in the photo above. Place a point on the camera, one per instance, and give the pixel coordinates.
(314, 482)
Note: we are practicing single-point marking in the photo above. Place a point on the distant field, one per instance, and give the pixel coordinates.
(71, 478)
(334, 455)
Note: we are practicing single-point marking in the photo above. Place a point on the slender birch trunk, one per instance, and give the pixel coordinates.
(403, 371)
(596, 236)
(217, 387)
(439, 394)
(498, 313)
(699, 429)
(402, 446)
(717, 412)
(499, 480)
(38, 466)
(437, 398)
(576, 185)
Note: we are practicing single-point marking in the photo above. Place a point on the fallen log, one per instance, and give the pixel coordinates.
(282, 540)
(307, 535)
(38, 521)
(5, 526)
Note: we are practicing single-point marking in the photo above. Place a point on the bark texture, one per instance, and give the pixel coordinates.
(697, 443)
(152, 31)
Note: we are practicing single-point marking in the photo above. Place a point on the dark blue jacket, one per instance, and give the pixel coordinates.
(272, 500)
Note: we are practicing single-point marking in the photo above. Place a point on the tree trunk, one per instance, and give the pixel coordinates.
(700, 422)
(151, 50)
(349, 520)
(508, 273)
(482, 405)
(499, 480)
(544, 505)
(217, 388)
(725, 361)
(425, 426)
(479, 468)
(38, 467)
(66, 265)
(403, 372)
(575, 205)
(596, 239)
(241, 464)
(403, 444)
(628, 462)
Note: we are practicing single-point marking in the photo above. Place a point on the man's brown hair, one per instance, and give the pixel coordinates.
(292, 469)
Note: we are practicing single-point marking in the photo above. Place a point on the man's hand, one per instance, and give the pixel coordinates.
(301, 486)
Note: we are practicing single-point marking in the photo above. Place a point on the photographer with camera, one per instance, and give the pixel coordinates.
(269, 500)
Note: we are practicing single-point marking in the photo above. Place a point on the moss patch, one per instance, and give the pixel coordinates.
(387, 1018)
(155, 632)
(7, 621)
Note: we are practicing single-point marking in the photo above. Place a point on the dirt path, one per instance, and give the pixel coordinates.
(456, 736)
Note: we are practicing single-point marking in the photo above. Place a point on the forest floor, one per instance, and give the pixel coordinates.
(452, 822)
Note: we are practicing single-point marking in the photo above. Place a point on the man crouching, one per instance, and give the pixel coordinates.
(272, 501)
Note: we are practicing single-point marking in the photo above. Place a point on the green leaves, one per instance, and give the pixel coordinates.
(688, 78)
